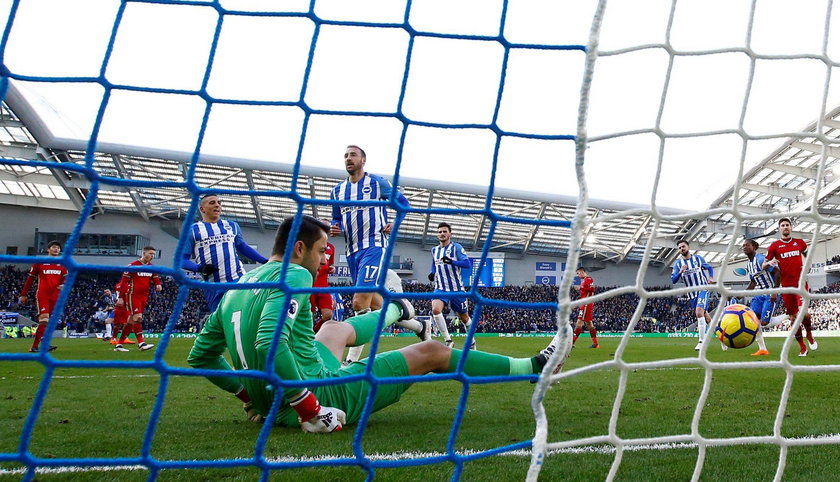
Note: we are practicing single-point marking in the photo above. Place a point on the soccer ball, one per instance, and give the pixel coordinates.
(737, 327)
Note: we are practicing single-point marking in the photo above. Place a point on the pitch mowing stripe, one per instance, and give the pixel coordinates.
(589, 449)
(81, 376)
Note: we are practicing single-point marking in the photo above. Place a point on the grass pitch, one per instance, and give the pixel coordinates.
(104, 413)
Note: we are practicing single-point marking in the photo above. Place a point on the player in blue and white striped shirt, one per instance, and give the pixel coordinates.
(366, 230)
(691, 269)
(762, 305)
(214, 243)
(448, 259)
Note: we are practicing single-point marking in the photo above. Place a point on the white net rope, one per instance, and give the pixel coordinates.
(542, 446)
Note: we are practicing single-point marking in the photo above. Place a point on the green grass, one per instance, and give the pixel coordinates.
(105, 412)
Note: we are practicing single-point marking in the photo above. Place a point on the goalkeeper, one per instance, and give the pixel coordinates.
(214, 243)
(245, 325)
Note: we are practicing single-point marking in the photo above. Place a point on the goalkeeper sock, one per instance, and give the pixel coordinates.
(480, 363)
(365, 324)
(138, 332)
(441, 324)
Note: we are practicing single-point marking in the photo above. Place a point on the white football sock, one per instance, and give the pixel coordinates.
(411, 324)
(354, 353)
(701, 327)
(759, 337)
(776, 320)
(440, 321)
(108, 328)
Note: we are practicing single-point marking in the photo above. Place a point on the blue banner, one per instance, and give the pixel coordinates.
(8, 318)
(546, 280)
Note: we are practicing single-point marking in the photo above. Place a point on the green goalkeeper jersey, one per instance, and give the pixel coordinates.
(245, 323)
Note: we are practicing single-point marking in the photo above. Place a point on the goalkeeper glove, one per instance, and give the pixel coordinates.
(207, 270)
(431, 277)
(446, 259)
(251, 413)
(313, 417)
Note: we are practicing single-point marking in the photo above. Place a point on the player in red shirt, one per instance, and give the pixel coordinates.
(787, 254)
(587, 289)
(51, 278)
(324, 301)
(120, 313)
(135, 287)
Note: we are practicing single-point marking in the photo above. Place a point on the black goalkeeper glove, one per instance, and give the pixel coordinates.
(446, 259)
(207, 270)
(432, 277)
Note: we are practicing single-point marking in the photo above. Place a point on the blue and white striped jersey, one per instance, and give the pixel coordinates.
(216, 243)
(363, 225)
(695, 273)
(763, 278)
(448, 276)
(338, 309)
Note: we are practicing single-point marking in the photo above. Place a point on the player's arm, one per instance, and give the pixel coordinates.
(386, 190)
(245, 250)
(208, 353)
(676, 272)
(335, 224)
(708, 268)
(432, 270)
(156, 280)
(186, 258)
(122, 288)
(27, 285)
(588, 286)
(461, 261)
(771, 255)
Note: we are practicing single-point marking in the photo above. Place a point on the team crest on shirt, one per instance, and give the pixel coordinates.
(293, 309)
(367, 189)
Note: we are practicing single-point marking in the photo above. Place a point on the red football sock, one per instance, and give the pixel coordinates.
(125, 332)
(138, 332)
(593, 333)
(799, 339)
(39, 333)
(577, 334)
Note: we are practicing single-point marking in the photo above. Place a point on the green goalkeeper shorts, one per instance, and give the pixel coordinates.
(352, 397)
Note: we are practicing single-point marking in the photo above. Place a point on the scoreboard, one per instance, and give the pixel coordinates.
(492, 274)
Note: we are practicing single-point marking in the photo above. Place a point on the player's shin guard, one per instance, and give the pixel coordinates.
(440, 321)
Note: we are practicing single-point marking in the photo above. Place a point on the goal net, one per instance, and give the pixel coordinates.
(622, 110)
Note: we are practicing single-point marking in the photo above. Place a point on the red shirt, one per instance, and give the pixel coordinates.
(587, 287)
(50, 277)
(324, 271)
(791, 254)
(138, 283)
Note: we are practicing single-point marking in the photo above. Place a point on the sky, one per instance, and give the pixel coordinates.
(450, 81)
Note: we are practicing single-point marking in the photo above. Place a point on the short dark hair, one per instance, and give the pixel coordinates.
(753, 243)
(309, 232)
(580, 268)
(683, 240)
(149, 248)
(785, 219)
(53, 243)
(445, 225)
(359, 148)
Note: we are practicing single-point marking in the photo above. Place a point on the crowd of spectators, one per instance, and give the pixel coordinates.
(660, 314)
(834, 260)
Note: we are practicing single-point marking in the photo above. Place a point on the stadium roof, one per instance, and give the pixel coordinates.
(785, 181)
